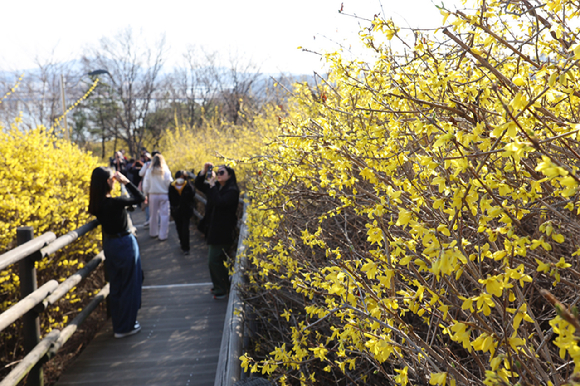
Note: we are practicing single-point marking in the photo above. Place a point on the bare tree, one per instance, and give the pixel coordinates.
(135, 68)
(205, 82)
(38, 97)
(192, 88)
(234, 79)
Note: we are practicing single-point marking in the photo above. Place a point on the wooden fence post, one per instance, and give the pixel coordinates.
(31, 323)
(107, 304)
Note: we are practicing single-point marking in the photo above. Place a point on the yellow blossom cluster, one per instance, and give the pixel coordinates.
(413, 210)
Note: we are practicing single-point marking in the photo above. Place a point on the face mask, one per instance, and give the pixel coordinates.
(180, 181)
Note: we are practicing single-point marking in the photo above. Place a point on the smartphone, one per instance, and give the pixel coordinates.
(208, 175)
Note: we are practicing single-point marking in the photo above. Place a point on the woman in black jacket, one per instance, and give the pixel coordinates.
(123, 262)
(181, 203)
(222, 193)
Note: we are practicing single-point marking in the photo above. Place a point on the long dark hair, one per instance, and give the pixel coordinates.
(99, 188)
(232, 181)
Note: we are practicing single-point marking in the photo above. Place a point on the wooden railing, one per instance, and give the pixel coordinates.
(36, 300)
(229, 366)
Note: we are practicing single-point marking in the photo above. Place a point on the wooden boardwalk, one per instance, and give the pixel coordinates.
(181, 323)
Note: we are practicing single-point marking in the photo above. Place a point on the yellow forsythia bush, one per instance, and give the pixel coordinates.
(44, 183)
(417, 219)
(189, 149)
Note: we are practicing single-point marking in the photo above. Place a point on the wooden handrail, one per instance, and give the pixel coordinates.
(229, 366)
(52, 342)
(78, 320)
(71, 282)
(36, 300)
(67, 239)
(25, 250)
(199, 196)
(30, 360)
(22, 307)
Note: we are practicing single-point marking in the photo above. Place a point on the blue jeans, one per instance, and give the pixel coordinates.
(123, 264)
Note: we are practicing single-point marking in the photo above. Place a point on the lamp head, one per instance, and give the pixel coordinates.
(98, 72)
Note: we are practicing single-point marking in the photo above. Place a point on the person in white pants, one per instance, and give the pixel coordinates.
(156, 187)
(146, 159)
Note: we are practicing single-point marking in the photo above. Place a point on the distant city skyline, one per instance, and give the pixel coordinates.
(265, 31)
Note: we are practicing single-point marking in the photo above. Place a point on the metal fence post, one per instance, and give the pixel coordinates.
(31, 323)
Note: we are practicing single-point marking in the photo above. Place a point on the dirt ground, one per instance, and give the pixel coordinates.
(75, 345)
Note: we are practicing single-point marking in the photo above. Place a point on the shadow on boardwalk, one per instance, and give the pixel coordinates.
(181, 323)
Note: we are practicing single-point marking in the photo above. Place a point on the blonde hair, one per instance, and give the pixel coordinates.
(158, 165)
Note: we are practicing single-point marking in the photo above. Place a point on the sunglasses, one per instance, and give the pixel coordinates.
(221, 172)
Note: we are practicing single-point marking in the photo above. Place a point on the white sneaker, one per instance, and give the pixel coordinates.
(146, 224)
(135, 330)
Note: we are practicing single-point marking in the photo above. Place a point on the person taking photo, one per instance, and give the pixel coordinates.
(123, 261)
(223, 195)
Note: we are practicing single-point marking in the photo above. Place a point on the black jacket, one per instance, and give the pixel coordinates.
(181, 204)
(221, 210)
(112, 213)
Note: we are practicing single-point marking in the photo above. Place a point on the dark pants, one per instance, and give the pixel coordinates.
(217, 270)
(182, 226)
(123, 264)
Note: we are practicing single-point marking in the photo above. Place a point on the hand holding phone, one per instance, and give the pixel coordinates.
(120, 177)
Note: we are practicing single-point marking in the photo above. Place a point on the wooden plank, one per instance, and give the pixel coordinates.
(178, 344)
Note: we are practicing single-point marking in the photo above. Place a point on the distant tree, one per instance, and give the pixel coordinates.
(135, 67)
(234, 80)
(206, 82)
(188, 89)
(79, 127)
(38, 97)
(103, 110)
(159, 119)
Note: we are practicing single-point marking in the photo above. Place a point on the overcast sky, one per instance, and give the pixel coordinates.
(268, 31)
